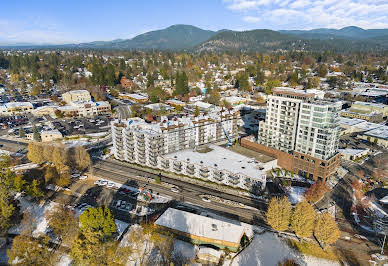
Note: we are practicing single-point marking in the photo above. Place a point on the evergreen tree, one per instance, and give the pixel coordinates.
(279, 213)
(22, 133)
(302, 220)
(36, 134)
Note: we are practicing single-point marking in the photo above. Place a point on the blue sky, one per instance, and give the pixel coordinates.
(70, 21)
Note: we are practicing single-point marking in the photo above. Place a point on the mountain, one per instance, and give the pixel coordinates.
(175, 37)
(343, 40)
(191, 38)
(245, 40)
(351, 32)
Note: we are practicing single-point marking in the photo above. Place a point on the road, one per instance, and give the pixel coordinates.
(190, 193)
(12, 145)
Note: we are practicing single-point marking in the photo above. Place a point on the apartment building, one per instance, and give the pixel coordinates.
(301, 132)
(76, 96)
(85, 109)
(169, 144)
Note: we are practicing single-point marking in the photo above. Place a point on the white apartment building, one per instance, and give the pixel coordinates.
(318, 129)
(302, 132)
(279, 130)
(169, 144)
(76, 96)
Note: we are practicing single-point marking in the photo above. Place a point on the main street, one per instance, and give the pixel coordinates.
(189, 193)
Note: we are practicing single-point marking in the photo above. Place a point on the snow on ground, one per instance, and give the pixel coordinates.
(37, 213)
(376, 208)
(185, 250)
(100, 134)
(268, 249)
(295, 194)
(155, 198)
(64, 261)
(121, 226)
(75, 143)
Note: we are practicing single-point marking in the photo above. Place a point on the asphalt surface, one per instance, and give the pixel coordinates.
(189, 193)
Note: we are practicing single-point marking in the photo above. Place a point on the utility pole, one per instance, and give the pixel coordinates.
(381, 227)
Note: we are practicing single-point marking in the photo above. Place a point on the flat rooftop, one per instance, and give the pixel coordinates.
(365, 126)
(350, 121)
(377, 105)
(201, 226)
(351, 151)
(221, 158)
(380, 132)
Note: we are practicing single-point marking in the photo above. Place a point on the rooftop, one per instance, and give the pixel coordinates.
(378, 105)
(202, 226)
(350, 121)
(222, 158)
(351, 151)
(380, 132)
(365, 126)
(294, 92)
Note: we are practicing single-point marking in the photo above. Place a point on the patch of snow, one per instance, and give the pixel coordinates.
(65, 261)
(38, 215)
(295, 194)
(121, 226)
(377, 209)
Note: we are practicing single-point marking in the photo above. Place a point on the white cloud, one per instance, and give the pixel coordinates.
(251, 19)
(308, 14)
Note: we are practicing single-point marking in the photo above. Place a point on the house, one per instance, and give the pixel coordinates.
(175, 103)
(126, 83)
(200, 230)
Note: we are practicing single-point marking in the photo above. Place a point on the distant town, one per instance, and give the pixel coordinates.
(113, 157)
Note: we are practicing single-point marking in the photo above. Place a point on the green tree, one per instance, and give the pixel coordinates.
(196, 111)
(326, 229)
(51, 174)
(22, 133)
(63, 222)
(34, 190)
(28, 250)
(322, 70)
(36, 134)
(272, 83)
(98, 219)
(35, 153)
(279, 213)
(303, 219)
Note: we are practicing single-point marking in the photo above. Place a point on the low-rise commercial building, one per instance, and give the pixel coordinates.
(50, 135)
(377, 135)
(199, 229)
(353, 154)
(16, 108)
(76, 96)
(371, 117)
(366, 107)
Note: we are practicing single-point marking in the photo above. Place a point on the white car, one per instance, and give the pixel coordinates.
(206, 199)
(110, 185)
(82, 177)
(175, 190)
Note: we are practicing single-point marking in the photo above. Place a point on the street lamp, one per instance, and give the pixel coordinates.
(381, 227)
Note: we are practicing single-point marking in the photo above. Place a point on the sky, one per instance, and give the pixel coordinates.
(74, 21)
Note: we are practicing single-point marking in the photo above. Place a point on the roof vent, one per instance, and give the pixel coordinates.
(214, 227)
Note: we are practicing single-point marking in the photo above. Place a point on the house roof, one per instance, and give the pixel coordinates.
(201, 226)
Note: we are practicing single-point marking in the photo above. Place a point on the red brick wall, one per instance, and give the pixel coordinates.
(294, 162)
(285, 160)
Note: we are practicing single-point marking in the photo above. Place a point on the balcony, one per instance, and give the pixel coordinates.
(218, 176)
(204, 172)
(233, 179)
